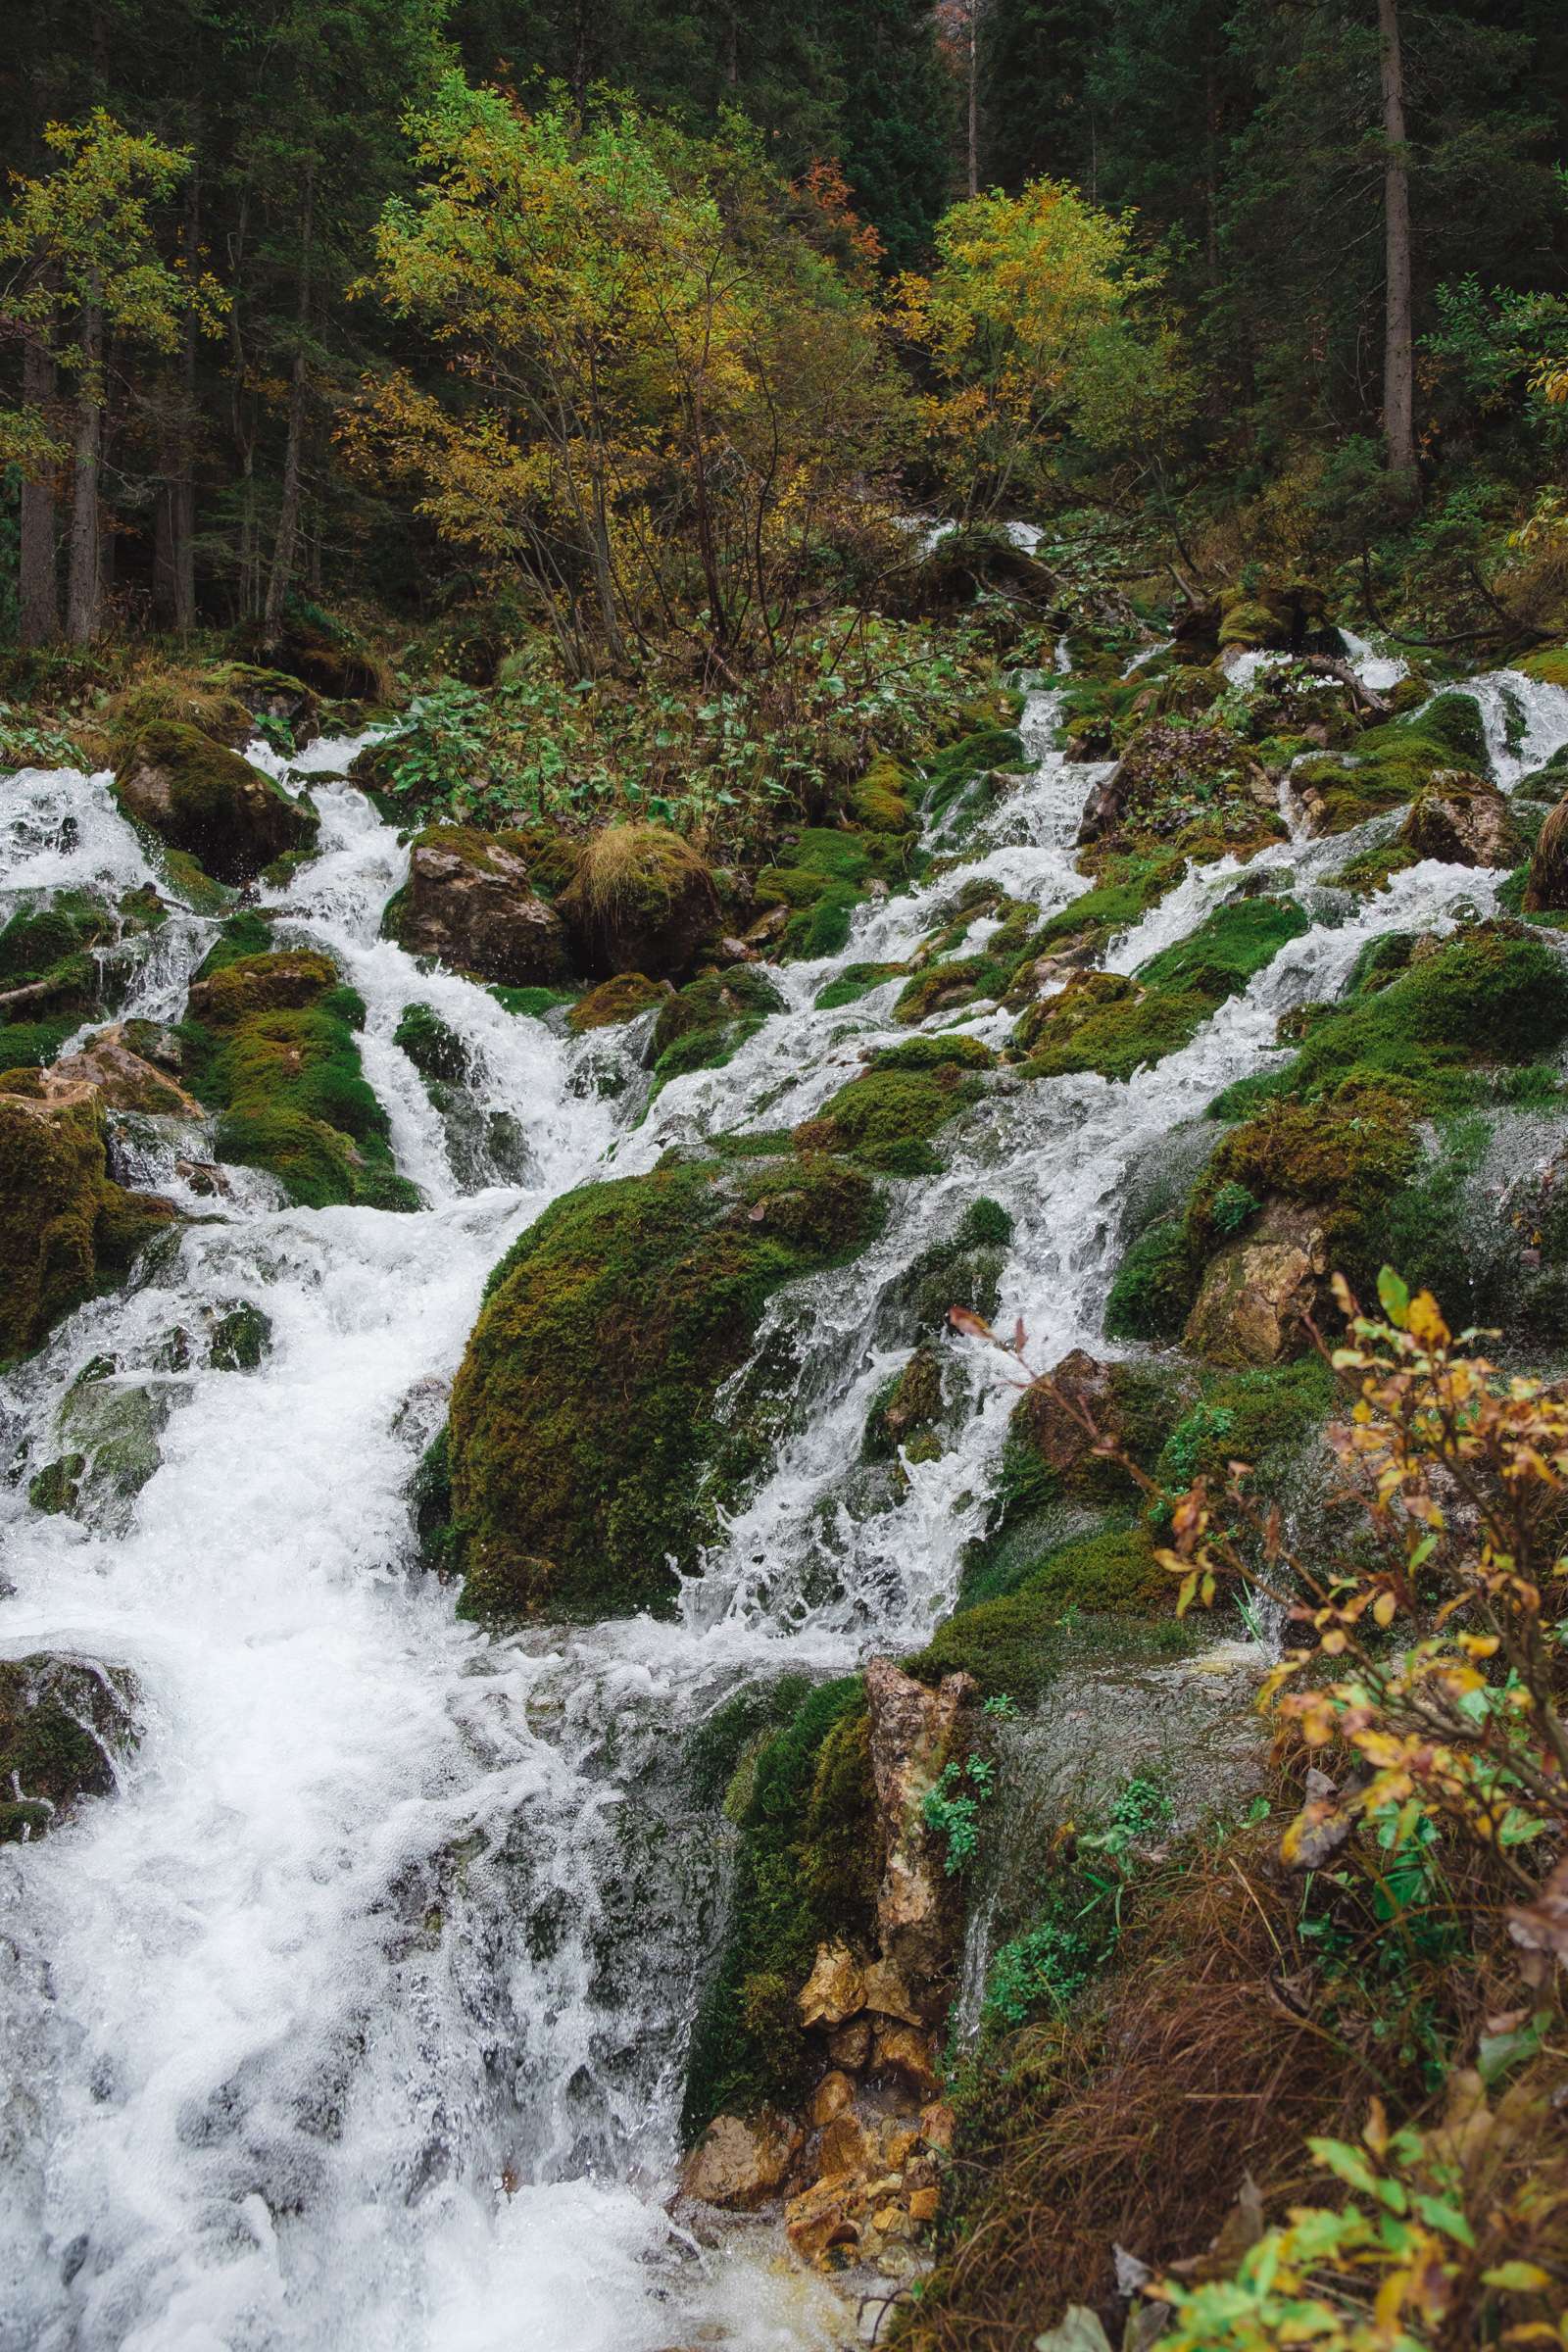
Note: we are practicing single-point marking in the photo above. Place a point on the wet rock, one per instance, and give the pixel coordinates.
(823, 2217)
(905, 2051)
(241, 1337)
(470, 902)
(63, 1724)
(834, 1988)
(913, 1731)
(211, 804)
(1258, 1291)
(888, 1995)
(850, 2045)
(640, 900)
(109, 1429)
(122, 1079)
(1461, 819)
(741, 2164)
(1079, 1385)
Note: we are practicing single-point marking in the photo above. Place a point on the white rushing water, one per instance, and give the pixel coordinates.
(357, 2019)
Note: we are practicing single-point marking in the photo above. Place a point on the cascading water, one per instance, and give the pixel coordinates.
(358, 2018)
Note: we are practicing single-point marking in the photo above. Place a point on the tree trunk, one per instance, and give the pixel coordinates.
(288, 512)
(183, 487)
(39, 586)
(82, 593)
(1398, 357)
(973, 173)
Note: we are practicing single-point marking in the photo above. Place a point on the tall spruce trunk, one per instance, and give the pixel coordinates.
(38, 584)
(1398, 350)
(85, 584)
(288, 512)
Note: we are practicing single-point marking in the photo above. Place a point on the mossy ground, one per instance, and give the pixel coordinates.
(571, 1489)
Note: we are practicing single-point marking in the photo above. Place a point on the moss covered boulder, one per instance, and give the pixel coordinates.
(705, 1025)
(584, 1417)
(1547, 882)
(64, 1227)
(268, 1044)
(1461, 819)
(470, 902)
(63, 1725)
(616, 1001)
(210, 803)
(1192, 788)
(640, 900)
(887, 1118)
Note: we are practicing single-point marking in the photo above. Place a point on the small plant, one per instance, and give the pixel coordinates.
(951, 1811)
(1232, 1207)
(1048, 1962)
(24, 743)
(1000, 1707)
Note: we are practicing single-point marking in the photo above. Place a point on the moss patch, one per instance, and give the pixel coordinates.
(1011, 1646)
(826, 873)
(583, 1416)
(1393, 764)
(805, 1874)
(61, 1724)
(705, 1025)
(886, 1119)
(612, 1001)
(269, 1045)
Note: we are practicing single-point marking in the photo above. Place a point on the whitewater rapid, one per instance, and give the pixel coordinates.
(357, 2017)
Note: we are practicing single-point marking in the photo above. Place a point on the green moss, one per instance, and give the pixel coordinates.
(612, 1001)
(1012, 1644)
(1127, 887)
(805, 1874)
(64, 1228)
(826, 874)
(964, 1270)
(1494, 995)
(34, 1045)
(907, 1405)
(857, 981)
(1392, 763)
(583, 1416)
(270, 1047)
(1235, 943)
(435, 1050)
(886, 1119)
(705, 1025)
(1114, 1028)
(956, 780)
(1155, 1284)
(219, 809)
(1549, 667)
(241, 1337)
(880, 800)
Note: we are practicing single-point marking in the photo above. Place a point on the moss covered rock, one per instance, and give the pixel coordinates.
(881, 801)
(208, 802)
(886, 1119)
(821, 878)
(470, 902)
(616, 1001)
(269, 1045)
(705, 1025)
(1181, 788)
(584, 1413)
(63, 1725)
(64, 1228)
(1461, 819)
(1547, 882)
(1392, 764)
(640, 900)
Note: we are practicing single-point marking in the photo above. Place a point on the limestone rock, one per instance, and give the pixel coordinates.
(905, 2051)
(844, 2146)
(832, 2095)
(122, 1079)
(911, 1733)
(470, 902)
(1461, 819)
(834, 1988)
(824, 2216)
(850, 2045)
(210, 803)
(887, 1993)
(1059, 1438)
(740, 2163)
(1258, 1291)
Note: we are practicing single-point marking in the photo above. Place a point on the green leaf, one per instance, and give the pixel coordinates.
(1394, 1297)
(1438, 2215)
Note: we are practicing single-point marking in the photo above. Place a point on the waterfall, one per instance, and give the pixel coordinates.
(358, 2017)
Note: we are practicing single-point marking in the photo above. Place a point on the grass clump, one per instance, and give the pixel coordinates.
(584, 1413)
